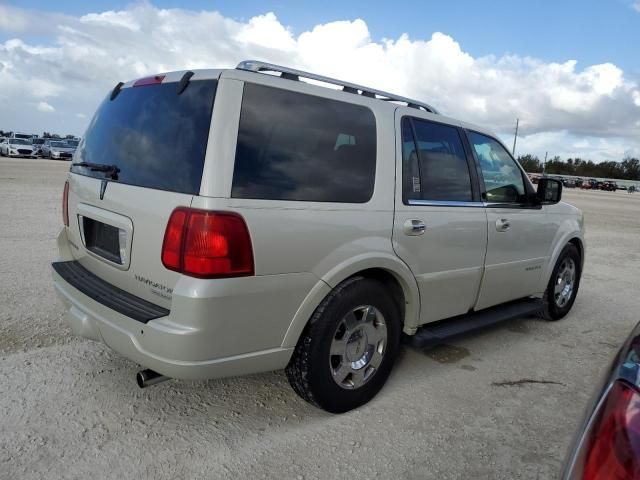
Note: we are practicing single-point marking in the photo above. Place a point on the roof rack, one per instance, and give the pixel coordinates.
(293, 74)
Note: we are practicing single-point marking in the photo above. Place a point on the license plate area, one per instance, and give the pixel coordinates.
(105, 235)
(104, 240)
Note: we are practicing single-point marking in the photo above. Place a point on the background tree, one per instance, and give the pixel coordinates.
(530, 163)
(627, 169)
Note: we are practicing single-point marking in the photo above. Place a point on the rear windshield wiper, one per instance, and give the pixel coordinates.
(112, 170)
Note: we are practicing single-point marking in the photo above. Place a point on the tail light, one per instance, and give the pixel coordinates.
(611, 448)
(65, 204)
(207, 244)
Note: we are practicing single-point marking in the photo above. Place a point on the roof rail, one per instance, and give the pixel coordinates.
(293, 74)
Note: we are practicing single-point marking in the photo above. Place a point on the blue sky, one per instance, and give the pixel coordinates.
(568, 69)
(589, 31)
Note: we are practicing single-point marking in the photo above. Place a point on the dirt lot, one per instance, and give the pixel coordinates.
(70, 408)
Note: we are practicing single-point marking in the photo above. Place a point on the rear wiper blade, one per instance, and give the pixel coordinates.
(99, 167)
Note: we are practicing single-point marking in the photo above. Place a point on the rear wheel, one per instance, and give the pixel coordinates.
(347, 350)
(563, 285)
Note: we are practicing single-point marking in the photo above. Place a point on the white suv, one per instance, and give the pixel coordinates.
(226, 222)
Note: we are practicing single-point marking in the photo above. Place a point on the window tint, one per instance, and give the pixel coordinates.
(293, 146)
(156, 137)
(502, 177)
(434, 163)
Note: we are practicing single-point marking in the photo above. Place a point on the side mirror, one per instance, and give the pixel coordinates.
(549, 191)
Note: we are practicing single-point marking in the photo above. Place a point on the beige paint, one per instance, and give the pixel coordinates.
(301, 249)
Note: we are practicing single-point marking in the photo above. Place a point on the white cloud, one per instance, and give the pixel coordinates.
(86, 56)
(12, 19)
(45, 107)
(566, 145)
(636, 5)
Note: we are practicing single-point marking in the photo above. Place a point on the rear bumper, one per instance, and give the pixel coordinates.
(139, 341)
(215, 328)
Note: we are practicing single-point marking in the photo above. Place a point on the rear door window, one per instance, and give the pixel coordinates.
(157, 138)
(434, 163)
(293, 146)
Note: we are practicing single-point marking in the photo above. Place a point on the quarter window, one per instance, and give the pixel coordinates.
(502, 178)
(434, 163)
(293, 146)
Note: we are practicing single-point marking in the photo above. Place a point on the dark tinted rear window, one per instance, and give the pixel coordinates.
(293, 146)
(434, 162)
(156, 137)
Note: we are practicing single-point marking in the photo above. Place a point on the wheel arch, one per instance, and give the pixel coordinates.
(579, 244)
(391, 271)
(570, 238)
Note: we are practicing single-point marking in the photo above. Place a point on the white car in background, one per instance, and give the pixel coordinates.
(57, 149)
(17, 147)
(37, 146)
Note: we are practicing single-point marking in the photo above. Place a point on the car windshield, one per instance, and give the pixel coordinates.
(72, 143)
(58, 144)
(38, 141)
(19, 141)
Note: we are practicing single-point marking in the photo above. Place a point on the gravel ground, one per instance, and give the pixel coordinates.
(70, 408)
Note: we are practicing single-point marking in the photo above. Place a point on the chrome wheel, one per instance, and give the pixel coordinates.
(358, 347)
(565, 282)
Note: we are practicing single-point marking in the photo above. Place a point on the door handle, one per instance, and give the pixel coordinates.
(414, 227)
(503, 224)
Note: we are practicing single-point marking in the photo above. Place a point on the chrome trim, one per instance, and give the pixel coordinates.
(414, 227)
(522, 206)
(293, 74)
(444, 203)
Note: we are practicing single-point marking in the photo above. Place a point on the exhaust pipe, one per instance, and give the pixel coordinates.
(146, 378)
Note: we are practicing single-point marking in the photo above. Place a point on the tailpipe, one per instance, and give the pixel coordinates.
(146, 378)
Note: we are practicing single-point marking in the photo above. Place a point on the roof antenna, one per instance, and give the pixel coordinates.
(116, 90)
(184, 81)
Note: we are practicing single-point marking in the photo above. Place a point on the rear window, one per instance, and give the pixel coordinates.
(156, 137)
(293, 146)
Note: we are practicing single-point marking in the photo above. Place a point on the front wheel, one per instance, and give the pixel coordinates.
(346, 352)
(563, 285)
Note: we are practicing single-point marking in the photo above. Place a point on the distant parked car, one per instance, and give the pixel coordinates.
(24, 136)
(585, 185)
(607, 442)
(569, 183)
(57, 149)
(609, 186)
(37, 146)
(17, 147)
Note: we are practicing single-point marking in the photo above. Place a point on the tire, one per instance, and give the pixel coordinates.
(370, 342)
(557, 305)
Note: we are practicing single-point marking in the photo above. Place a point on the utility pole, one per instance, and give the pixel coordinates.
(515, 137)
(544, 165)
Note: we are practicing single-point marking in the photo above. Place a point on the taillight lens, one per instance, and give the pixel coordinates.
(207, 244)
(65, 204)
(611, 448)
